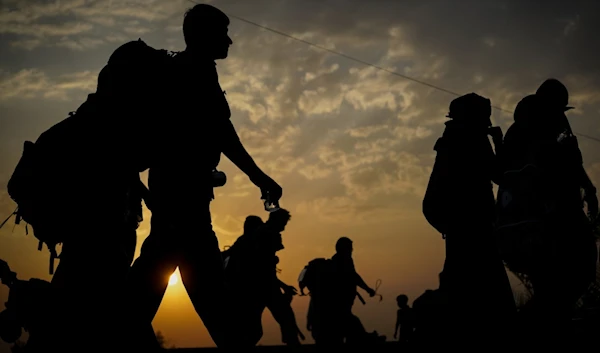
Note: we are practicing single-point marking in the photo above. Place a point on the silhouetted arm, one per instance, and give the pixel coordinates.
(309, 315)
(237, 154)
(591, 199)
(397, 324)
(361, 283)
(287, 288)
(586, 182)
(357, 278)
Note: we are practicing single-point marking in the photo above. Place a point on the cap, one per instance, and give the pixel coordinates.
(470, 105)
(554, 93)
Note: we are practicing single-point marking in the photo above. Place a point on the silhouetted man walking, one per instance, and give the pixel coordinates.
(252, 265)
(181, 180)
(546, 235)
(331, 318)
(460, 204)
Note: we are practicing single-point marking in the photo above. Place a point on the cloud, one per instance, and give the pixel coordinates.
(39, 23)
(354, 132)
(368, 130)
(46, 30)
(80, 44)
(36, 84)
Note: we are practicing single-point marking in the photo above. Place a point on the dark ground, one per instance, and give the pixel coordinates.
(307, 348)
(586, 332)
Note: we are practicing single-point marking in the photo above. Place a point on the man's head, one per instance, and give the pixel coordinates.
(528, 109)
(402, 300)
(554, 95)
(205, 31)
(279, 219)
(472, 110)
(252, 223)
(344, 246)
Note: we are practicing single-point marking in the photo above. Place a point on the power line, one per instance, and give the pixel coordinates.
(366, 63)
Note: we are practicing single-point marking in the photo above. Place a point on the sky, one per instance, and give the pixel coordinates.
(351, 145)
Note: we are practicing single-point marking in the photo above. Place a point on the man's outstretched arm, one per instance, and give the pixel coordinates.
(360, 282)
(237, 154)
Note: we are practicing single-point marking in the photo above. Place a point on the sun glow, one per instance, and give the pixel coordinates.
(173, 279)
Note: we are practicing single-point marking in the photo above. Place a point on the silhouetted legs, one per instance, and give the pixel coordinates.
(88, 284)
(280, 306)
(477, 289)
(355, 332)
(564, 272)
(246, 316)
(196, 251)
(430, 321)
(328, 322)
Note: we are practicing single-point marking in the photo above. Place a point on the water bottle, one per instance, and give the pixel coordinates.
(270, 206)
(563, 136)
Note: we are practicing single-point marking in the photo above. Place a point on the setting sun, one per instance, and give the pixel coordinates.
(173, 279)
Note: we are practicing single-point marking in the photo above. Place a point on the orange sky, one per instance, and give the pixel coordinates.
(351, 145)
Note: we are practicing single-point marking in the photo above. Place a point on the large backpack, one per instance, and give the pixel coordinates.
(461, 152)
(56, 179)
(317, 276)
(436, 200)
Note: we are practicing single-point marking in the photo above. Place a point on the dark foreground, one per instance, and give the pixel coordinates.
(584, 335)
(380, 347)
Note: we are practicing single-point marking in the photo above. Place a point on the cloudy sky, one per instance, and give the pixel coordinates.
(351, 145)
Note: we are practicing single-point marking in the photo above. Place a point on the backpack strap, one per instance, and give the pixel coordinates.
(362, 300)
(53, 257)
(14, 213)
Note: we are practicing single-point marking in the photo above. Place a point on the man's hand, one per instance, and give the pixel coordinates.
(268, 187)
(371, 292)
(290, 290)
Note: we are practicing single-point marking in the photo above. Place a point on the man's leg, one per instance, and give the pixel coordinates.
(88, 283)
(279, 305)
(251, 320)
(147, 283)
(202, 274)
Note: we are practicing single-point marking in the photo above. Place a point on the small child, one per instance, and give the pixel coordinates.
(404, 319)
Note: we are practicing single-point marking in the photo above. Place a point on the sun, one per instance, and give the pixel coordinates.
(173, 279)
